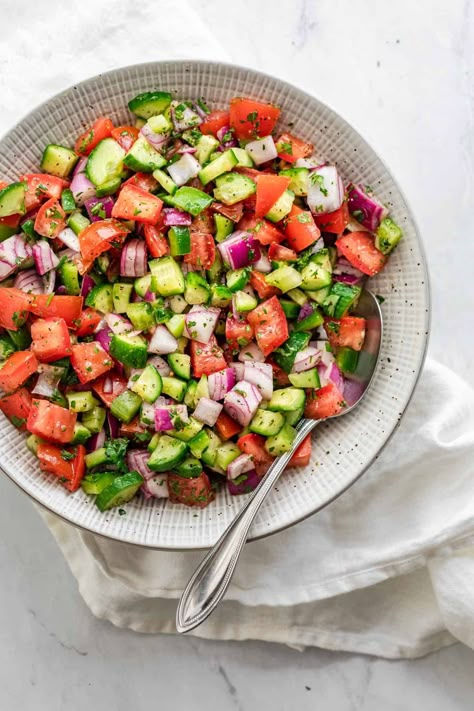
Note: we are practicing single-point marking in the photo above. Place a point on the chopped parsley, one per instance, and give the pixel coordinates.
(316, 179)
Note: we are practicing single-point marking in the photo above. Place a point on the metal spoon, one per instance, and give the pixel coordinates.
(209, 583)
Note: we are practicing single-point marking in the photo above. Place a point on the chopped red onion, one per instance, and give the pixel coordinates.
(306, 359)
(70, 239)
(160, 364)
(45, 258)
(184, 118)
(230, 142)
(113, 423)
(207, 411)
(201, 322)
(87, 285)
(156, 140)
(262, 150)
(251, 353)
(49, 281)
(250, 483)
(353, 389)
(104, 336)
(6, 269)
(162, 341)
(242, 402)
(147, 414)
(327, 357)
(344, 267)
(82, 189)
(186, 168)
(221, 382)
(167, 416)
(15, 251)
(133, 261)
(187, 149)
(347, 279)
(240, 249)
(260, 375)
(172, 217)
(119, 324)
(29, 281)
(48, 380)
(366, 208)
(96, 441)
(305, 310)
(137, 460)
(243, 463)
(108, 386)
(310, 162)
(104, 209)
(263, 264)
(156, 487)
(80, 166)
(238, 368)
(325, 190)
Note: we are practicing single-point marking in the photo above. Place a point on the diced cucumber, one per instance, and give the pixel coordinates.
(78, 222)
(168, 278)
(174, 387)
(190, 467)
(223, 164)
(284, 278)
(319, 296)
(125, 406)
(165, 181)
(226, 453)
(67, 201)
(221, 296)
(341, 299)
(178, 304)
(180, 240)
(149, 385)
(293, 417)
(153, 443)
(191, 200)
(244, 302)
(243, 158)
(142, 315)
(214, 273)
(282, 207)
(32, 443)
(190, 394)
(160, 125)
(69, 274)
(281, 442)
(58, 160)
(197, 289)
(81, 434)
(237, 279)
(168, 454)
(121, 294)
(105, 162)
(315, 277)
(205, 147)
(94, 419)
(129, 350)
(298, 296)
(109, 188)
(81, 401)
(267, 423)
(290, 308)
(190, 430)
(150, 103)
(224, 227)
(12, 200)
(6, 347)
(95, 483)
(199, 444)
(323, 259)
(142, 285)
(387, 236)
(180, 364)
(287, 399)
(285, 355)
(96, 458)
(142, 157)
(299, 180)
(122, 489)
(210, 453)
(311, 321)
(202, 389)
(306, 379)
(233, 187)
(176, 325)
(347, 359)
(100, 298)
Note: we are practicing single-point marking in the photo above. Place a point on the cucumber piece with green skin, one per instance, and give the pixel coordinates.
(142, 315)
(266, 423)
(182, 344)
(150, 103)
(191, 200)
(160, 125)
(306, 379)
(319, 296)
(168, 454)
(387, 236)
(28, 227)
(341, 299)
(174, 387)
(58, 160)
(226, 453)
(121, 294)
(180, 240)
(315, 277)
(202, 389)
(311, 321)
(96, 458)
(190, 394)
(243, 158)
(290, 308)
(77, 222)
(69, 275)
(129, 350)
(282, 207)
(100, 298)
(323, 259)
(178, 304)
(224, 227)
(233, 187)
(105, 162)
(93, 484)
(282, 442)
(122, 489)
(180, 364)
(214, 273)
(221, 296)
(244, 302)
(237, 279)
(205, 147)
(287, 399)
(153, 443)
(189, 468)
(81, 434)
(32, 443)
(125, 406)
(176, 325)
(168, 279)
(142, 285)
(223, 164)
(210, 453)
(102, 263)
(12, 200)
(347, 359)
(109, 188)
(81, 401)
(293, 417)
(285, 355)
(6, 347)
(199, 443)
(190, 430)
(285, 278)
(6, 231)
(148, 385)
(143, 158)
(94, 419)
(299, 180)
(67, 201)
(298, 296)
(165, 181)
(197, 289)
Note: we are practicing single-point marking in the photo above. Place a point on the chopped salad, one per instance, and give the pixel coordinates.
(175, 294)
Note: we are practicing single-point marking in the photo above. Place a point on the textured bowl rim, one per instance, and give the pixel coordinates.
(427, 290)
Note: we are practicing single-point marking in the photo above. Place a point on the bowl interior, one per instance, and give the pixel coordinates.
(344, 447)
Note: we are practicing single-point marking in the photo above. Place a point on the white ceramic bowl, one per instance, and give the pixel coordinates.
(343, 448)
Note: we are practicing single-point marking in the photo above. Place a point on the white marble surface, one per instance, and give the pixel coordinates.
(402, 74)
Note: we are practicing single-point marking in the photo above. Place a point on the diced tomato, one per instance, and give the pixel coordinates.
(132, 428)
(113, 382)
(125, 136)
(270, 188)
(17, 407)
(145, 181)
(290, 148)
(279, 253)
(279, 376)
(302, 455)
(90, 361)
(214, 121)
(334, 222)
(41, 187)
(51, 422)
(87, 141)
(203, 251)
(16, 369)
(14, 307)
(226, 426)
(11, 220)
(78, 468)
(252, 119)
(195, 491)
(97, 238)
(136, 204)
(269, 324)
(264, 290)
(87, 322)
(51, 219)
(67, 464)
(206, 358)
(48, 306)
(264, 231)
(3, 184)
(237, 333)
(348, 331)
(359, 249)
(301, 230)
(51, 339)
(325, 402)
(156, 242)
(204, 222)
(232, 212)
(254, 445)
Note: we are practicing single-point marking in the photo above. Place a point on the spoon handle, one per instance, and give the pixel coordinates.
(211, 579)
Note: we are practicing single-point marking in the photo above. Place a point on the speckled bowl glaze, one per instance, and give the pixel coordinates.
(343, 448)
